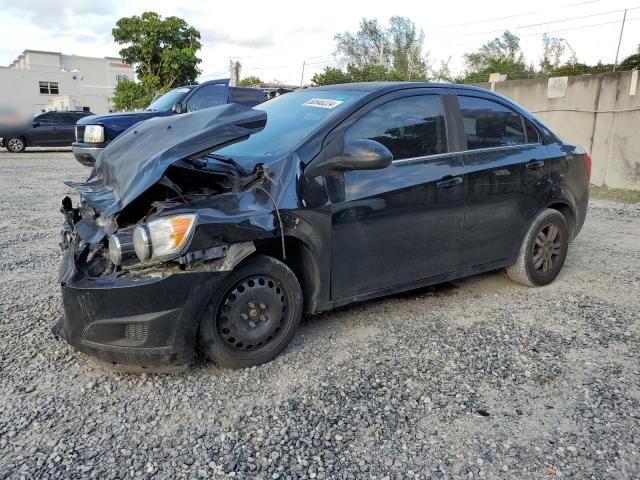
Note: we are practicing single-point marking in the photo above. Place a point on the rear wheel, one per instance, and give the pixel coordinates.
(15, 144)
(254, 314)
(543, 250)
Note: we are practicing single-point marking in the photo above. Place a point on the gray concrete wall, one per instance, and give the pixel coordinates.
(598, 112)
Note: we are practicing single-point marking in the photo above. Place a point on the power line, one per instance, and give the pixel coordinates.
(524, 14)
(521, 27)
(547, 31)
(326, 61)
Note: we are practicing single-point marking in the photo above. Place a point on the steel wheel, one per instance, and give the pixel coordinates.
(543, 250)
(252, 313)
(15, 145)
(547, 249)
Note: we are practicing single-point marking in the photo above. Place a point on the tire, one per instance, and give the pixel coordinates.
(253, 315)
(543, 250)
(15, 144)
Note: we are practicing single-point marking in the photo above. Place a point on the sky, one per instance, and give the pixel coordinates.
(272, 40)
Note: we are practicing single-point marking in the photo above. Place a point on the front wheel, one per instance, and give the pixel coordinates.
(543, 250)
(15, 144)
(253, 315)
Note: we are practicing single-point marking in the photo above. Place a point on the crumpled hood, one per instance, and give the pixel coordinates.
(138, 158)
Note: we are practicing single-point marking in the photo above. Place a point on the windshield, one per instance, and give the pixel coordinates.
(290, 118)
(166, 101)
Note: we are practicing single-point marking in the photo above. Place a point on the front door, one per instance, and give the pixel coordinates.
(401, 223)
(507, 180)
(44, 130)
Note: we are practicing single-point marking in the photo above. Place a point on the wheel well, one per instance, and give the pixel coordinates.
(568, 215)
(300, 260)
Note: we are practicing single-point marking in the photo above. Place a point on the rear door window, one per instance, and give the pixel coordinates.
(243, 97)
(68, 118)
(488, 124)
(207, 96)
(409, 127)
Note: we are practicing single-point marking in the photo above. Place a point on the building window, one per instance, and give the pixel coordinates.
(49, 88)
(121, 78)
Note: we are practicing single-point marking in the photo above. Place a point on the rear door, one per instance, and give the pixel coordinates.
(44, 130)
(507, 179)
(67, 127)
(401, 223)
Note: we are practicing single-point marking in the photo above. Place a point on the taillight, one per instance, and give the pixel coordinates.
(587, 164)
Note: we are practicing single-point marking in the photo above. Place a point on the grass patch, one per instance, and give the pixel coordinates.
(618, 194)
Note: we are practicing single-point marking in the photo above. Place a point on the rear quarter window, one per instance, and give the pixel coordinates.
(533, 136)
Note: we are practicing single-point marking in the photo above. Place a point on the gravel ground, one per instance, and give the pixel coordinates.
(479, 377)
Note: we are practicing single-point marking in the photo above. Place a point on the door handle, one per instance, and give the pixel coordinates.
(533, 164)
(449, 181)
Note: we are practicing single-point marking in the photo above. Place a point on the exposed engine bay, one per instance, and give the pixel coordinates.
(140, 207)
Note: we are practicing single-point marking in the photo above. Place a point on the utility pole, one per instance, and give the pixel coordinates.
(442, 70)
(231, 69)
(574, 58)
(237, 67)
(302, 76)
(624, 18)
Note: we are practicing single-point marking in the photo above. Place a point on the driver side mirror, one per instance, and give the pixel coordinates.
(35, 124)
(357, 154)
(177, 108)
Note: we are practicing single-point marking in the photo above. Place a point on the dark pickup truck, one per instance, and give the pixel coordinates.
(94, 133)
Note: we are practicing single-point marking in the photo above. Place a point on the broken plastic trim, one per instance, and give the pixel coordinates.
(230, 257)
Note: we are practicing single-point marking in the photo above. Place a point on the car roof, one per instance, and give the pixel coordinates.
(66, 112)
(391, 86)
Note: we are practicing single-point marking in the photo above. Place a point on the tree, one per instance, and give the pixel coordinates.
(396, 48)
(130, 96)
(249, 81)
(503, 55)
(373, 73)
(162, 50)
(369, 45)
(366, 73)
(330, 76)
(553, 49)
(632, 62)
(406, 49)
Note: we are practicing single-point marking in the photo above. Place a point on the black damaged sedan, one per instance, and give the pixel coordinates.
(217, 230)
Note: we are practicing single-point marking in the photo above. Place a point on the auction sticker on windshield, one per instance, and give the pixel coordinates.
(322, 103)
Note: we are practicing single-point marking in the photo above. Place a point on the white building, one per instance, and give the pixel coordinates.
(39, 81)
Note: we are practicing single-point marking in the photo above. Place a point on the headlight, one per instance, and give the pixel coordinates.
(164, 238)
(94, 134)
(120, 248)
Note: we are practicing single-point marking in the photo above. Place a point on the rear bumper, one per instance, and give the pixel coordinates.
(86, 154)
(149, 322)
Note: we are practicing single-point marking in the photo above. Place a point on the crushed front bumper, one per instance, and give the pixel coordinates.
(149, 322)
